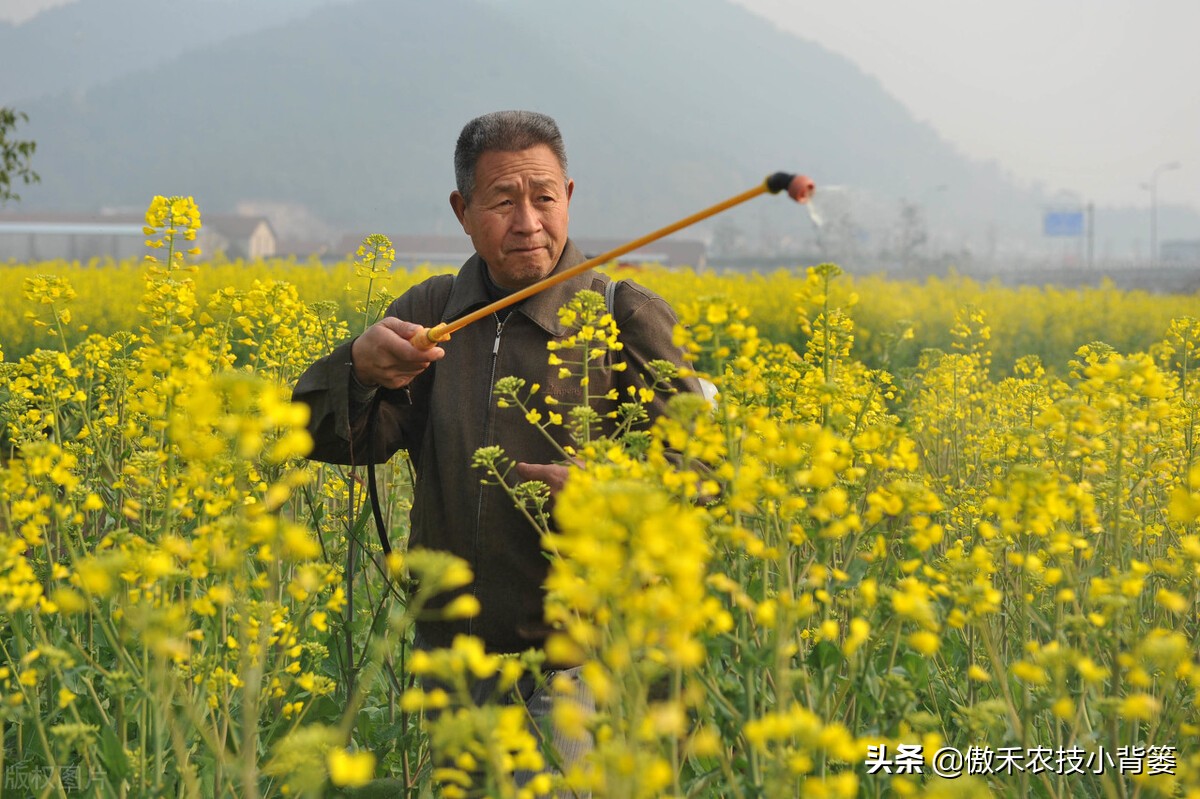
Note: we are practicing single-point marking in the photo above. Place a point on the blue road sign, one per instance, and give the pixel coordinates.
(1063, 223)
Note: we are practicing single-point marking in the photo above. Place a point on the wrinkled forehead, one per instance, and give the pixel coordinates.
(510, 170)
(541, 181)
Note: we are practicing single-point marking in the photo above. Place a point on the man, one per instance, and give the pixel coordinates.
(512, 198)
(379, 393)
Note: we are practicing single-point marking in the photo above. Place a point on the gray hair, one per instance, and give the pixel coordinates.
(504, 131)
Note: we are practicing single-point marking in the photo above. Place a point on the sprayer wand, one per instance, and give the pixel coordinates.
(798, 187)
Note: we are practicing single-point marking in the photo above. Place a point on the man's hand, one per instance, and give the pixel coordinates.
(552, 474)
(384, 356)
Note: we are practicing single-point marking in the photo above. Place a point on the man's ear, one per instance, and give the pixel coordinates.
(459, 204)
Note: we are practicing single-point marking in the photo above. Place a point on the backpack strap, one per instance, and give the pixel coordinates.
(372, 483)
(610, 302)
(624, 379)
(610, 297)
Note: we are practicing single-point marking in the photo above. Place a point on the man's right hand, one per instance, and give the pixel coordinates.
(384, 356)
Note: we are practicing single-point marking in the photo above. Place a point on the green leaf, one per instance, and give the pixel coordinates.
(112, 754)
(824, 655)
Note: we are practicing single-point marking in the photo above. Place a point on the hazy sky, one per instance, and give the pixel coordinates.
(1088, 96)
(21, 10)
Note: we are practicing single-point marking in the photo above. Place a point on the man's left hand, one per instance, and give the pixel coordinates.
(552, 474)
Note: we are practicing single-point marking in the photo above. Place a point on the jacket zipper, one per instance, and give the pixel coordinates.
(487, 427)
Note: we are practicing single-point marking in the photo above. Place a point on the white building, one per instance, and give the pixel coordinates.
(81, 237)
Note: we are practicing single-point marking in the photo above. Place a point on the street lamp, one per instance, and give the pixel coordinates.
(1154, 208)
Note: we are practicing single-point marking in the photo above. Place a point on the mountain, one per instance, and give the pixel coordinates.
(351, 109)
(74, 47)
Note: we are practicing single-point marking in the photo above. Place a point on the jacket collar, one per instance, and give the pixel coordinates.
(469, 292)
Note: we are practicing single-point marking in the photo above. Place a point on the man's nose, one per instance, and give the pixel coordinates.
(526, 218)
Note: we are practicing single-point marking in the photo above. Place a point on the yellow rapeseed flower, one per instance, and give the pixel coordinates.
(350, 769)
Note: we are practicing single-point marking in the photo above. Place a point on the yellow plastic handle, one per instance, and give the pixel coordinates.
(429, 337)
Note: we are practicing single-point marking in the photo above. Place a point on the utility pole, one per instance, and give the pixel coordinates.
(1091, 235)
(1154, 209)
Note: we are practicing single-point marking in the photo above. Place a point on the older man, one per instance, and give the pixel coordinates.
(379, 393)
(513, 199)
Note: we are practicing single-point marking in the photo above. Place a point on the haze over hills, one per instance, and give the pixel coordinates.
(71, 48)
(351, 108)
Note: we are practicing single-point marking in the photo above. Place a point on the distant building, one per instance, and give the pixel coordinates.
(665, 252)
(1180, 251)
(306, 249)
(414, 250)
(454, 250)
(71, 237)
(249, 237)
(81, 237)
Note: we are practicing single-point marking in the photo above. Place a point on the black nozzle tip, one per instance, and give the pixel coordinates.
(779, 182)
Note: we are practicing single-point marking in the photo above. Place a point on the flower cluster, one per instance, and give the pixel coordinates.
(979, 529)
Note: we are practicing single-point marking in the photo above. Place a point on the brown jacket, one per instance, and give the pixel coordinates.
(449, 411)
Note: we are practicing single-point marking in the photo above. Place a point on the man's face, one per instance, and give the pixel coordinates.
(517, 216)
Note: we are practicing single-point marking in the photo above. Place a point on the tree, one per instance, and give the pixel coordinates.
(913, 233)
(16, 155)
